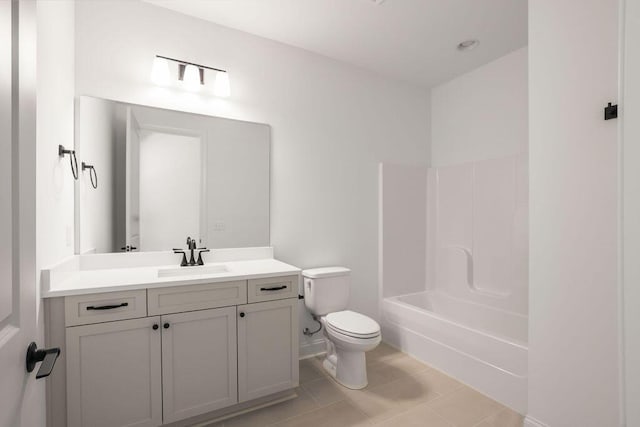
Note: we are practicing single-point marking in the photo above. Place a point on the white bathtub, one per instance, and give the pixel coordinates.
(479, 345)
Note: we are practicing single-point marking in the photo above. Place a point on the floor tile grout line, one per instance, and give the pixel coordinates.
(500, 410)
(367, 417)
(411, 408)
(402, 411)
(497, 411)
(442, 418)
(304, 412)
(312, 396)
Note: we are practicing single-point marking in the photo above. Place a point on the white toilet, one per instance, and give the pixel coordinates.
(348, 334)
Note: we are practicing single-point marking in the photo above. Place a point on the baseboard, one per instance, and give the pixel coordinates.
(532, 422)
(312, 348)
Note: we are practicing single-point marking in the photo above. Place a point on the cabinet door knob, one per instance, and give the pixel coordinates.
(166, 326)
(155, 327)
(242, 314)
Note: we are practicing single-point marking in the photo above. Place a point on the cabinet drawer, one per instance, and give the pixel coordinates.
(105, 307)
(272, 288)
(196, 297)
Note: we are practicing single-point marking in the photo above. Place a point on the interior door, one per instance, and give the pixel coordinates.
(168, 160)
(21, 396)
(631, 209)
(132, 204)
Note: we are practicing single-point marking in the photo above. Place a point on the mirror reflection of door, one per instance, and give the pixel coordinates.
(165, 175)
(169, 189)
(132, 190)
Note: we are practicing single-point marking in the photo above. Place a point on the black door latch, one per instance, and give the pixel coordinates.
(47, 356)
(610, 112)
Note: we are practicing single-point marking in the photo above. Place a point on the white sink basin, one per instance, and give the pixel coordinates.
(192, 271)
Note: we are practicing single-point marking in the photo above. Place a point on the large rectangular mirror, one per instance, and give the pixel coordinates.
(165, 175)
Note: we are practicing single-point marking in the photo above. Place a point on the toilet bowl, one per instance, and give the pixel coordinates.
(347, 344)
(348, 335)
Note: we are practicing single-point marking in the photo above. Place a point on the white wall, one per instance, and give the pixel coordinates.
(630, 111)
(54, 183)
(55, 126)
(482, 114)
(95, 206)
(331, 123)
(403, 204)
(573, 311)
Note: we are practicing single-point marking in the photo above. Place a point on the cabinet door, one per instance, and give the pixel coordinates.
(199, 362)
(267, 348)
(113, 374)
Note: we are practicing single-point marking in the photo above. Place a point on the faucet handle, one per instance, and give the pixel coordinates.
(200, 261)
(183, 263)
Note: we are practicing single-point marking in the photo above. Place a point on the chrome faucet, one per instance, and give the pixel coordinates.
(191, 246)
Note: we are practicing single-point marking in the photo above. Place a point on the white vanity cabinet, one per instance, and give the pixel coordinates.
(199, 359)
(168, 366)
(267, 348)
(114, 374)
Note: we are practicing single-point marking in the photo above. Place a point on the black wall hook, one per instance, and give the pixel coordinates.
(72, 159)
(93, 175)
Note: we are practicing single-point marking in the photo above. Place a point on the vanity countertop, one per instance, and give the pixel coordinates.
(77, 276)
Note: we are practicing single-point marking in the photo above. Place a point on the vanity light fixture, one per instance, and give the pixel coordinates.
(160, 74)
(191, 75)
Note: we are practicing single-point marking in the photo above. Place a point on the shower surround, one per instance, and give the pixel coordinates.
(464, 308)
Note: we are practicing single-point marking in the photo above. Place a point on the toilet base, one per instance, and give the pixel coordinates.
(348, 368)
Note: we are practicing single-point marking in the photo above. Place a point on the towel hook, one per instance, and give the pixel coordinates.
(72, 159)
(93, 176)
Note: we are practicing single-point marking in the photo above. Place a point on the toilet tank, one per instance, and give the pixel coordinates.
(326, 290)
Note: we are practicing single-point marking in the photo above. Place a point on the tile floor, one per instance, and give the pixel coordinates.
(402, 392)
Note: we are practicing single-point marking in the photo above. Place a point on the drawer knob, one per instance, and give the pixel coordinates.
(242, 314)
(155, 327)
(166, 326)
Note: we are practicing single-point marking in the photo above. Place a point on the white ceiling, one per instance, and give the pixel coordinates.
(410, 40)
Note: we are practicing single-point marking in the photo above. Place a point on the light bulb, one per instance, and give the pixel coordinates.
(160, 72)
(221, 86)
(191, 77)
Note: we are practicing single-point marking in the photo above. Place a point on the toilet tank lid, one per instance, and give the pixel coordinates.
(316, 273)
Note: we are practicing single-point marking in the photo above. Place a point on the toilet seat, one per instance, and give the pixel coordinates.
(352, 324)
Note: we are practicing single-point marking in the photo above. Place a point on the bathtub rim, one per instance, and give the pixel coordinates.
(524, 345)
